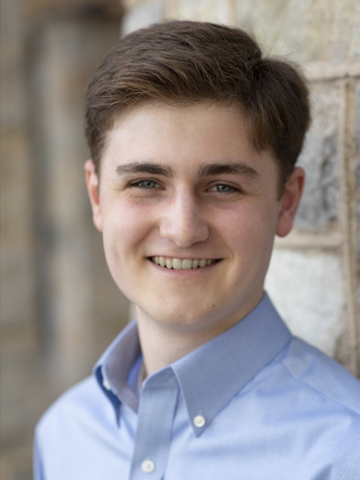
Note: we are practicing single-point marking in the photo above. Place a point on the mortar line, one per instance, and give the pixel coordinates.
(346, 220)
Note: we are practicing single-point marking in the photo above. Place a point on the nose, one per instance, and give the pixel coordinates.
(183, 221)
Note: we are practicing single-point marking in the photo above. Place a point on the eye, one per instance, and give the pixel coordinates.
(224, 188)
(145, 184)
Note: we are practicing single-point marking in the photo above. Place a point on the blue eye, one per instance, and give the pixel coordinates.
(145, 184)
(223, 188)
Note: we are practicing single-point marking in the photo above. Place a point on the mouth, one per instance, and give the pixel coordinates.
(183, 264)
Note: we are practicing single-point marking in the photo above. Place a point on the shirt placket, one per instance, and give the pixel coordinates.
(155, 421)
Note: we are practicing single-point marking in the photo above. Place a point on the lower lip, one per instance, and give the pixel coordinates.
(190, 272)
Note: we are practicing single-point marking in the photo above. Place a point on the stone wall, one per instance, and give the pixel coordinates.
(314, 273)
(19, 333)
(59, 306)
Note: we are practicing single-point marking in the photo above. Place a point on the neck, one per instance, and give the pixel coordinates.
(163, 344)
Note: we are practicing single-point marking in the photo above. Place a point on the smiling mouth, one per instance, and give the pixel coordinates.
(182, 264)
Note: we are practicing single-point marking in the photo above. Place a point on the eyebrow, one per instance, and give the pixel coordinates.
(142, 167)
(205, 170)
(237, 168)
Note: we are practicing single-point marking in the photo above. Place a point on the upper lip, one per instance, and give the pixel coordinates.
(188, 257)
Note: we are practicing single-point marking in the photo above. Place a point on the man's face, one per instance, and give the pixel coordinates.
(181, 186)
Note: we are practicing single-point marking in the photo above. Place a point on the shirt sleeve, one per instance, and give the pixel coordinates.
(37, 461)
(353, 472)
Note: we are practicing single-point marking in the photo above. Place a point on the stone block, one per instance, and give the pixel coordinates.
(326, 24)
(141, 15)
(218, 11)
(304, 30)
(308, 290)
(16, 200)
(357, 177)
(12, 72)
(320, 159)
(37, 8)
(17, 288)
(132, 3)
(271, 24)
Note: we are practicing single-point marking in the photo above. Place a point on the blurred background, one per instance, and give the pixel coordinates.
(59, 306)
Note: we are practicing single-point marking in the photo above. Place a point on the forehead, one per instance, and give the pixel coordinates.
(183, 137)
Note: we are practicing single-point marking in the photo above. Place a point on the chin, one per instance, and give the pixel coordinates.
(180, 318)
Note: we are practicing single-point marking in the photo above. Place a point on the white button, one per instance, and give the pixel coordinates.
(199, 421)
(106, 384)
(148, 466)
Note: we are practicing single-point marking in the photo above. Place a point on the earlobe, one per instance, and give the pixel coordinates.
(92, 184)
(290, 201)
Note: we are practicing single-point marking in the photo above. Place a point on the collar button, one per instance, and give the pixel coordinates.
(106, 384)
(199, 421)
(148, 466)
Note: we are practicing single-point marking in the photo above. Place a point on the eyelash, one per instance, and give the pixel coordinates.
(230, 188)
(140, 185)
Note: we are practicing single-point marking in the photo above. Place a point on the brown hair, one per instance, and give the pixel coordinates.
(184, 62)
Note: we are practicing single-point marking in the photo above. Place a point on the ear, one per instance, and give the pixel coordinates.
(92, 184)
(289, 201)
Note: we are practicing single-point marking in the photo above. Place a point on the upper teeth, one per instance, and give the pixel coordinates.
(179, 264)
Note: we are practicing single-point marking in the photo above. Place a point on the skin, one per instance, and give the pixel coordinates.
(184, 182)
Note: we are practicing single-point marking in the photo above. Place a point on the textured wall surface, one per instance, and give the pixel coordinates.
(59, 307)
(53, 274)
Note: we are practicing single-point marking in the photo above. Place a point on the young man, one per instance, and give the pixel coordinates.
(194, 138)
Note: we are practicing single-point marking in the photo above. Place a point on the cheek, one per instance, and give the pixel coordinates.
(121, 237)
(250, 233)
(124, 227)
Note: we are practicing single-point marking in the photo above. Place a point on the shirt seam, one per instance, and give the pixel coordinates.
(348, 471)
(319, 391)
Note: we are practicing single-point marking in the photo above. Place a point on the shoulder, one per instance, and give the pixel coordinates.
(316, 402)
(315, 371)
(82, 420)
(81, 403)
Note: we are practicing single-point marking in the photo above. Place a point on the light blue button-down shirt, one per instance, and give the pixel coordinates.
(254, 403)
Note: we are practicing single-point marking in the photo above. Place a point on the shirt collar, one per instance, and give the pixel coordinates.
(210, 375)
(114, 366)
